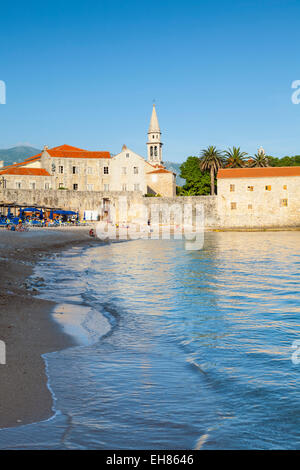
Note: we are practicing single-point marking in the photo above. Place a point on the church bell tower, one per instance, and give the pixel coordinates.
(154, 145)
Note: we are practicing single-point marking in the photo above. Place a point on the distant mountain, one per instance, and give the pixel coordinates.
(17, 154)
(175, 167)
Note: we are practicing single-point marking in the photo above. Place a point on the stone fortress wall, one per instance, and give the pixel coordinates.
(218, 212)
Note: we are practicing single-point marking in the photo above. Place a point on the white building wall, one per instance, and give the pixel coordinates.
(123, 173)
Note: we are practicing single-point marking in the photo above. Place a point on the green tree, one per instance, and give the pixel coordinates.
(211, 160)
(197, 183)
(273, 161)
(297, 160)
(285, 161)
(235, 158)
(259, 159)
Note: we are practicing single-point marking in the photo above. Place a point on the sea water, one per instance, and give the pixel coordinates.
(177, 349)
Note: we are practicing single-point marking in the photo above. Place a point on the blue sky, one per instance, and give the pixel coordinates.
(86, 74)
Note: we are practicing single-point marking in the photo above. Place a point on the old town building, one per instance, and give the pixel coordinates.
(75, 169)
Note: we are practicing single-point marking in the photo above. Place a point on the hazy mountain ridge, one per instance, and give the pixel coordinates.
(175, 167)
(17, 154)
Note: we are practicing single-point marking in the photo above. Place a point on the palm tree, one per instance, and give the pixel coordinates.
(211, 160)
(259, 159)
(235, 158)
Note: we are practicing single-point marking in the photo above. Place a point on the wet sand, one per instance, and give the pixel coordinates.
(26, 325)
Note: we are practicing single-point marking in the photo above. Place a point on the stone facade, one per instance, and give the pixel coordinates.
(267, 211)
(28, 181)
(259, 197)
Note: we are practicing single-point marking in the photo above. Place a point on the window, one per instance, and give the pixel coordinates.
(90, 187)
(127, 155)
(268, 188)
(283, 202)
(47, 185)
(18, 185)
(124, 187)
(249, 206)
(232, 188)
(106, 187)
(60, 169)
(124, 170)
(151, 152)
(155, 150)
(75, 187)
(233, 205)
(136, 187)
(32, 185)
(89, 170)
(105, 170)
(74, 170)
(135, 170)
(285, 186)
(250, 188)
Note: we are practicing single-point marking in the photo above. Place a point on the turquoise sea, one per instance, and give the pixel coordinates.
(178, 349)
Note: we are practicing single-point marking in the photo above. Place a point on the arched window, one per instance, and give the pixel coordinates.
(155, 150)
(151, 151)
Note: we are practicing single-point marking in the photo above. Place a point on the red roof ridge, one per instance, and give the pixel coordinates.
(68, 148)
(78, 154)
(259, 172)
(159, 170)
(25, 171)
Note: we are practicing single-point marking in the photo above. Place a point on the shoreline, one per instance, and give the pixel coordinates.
(26, 323)
(27, 326)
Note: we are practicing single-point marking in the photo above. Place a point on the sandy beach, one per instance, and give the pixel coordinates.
(26, 325)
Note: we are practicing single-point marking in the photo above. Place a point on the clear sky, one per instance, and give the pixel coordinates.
(86, 74)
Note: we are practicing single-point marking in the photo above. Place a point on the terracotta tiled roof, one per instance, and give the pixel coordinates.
(259, 172)
(77, 154)
(68, 148)
(25, 171)
(62, 151)
(32, 159)
(17, 165)
(160, 170)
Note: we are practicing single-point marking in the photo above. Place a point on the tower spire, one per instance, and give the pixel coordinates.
(154, 145)
(154, 126)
